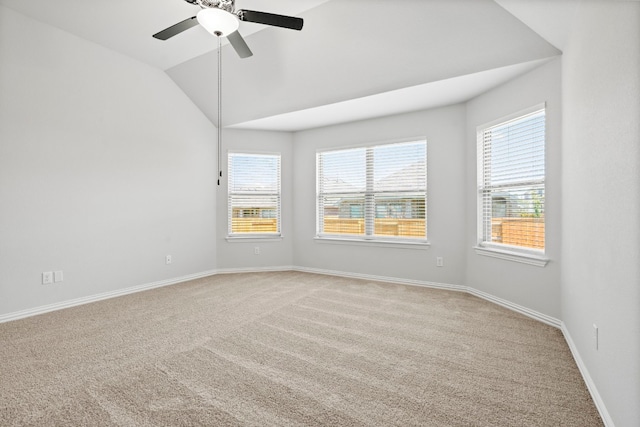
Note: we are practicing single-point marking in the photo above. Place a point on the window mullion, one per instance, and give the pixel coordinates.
(369, 198)
(486, 193)
(320, 194)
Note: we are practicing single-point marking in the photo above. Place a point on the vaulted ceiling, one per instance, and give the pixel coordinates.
(354, 59)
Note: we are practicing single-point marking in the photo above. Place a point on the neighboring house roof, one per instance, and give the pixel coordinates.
(409, 178)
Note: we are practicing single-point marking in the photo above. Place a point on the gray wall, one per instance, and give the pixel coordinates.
(445, 132)
(105, 168)
(537, 288)
(601, 184)
(235, 255)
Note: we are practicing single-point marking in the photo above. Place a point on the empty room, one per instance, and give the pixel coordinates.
(320, 213)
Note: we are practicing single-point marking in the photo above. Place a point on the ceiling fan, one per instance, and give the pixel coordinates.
(220, 18)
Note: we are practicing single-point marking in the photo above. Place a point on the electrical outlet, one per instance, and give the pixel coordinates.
(256, 250)
(168, 259)
(58, 276)
(595, 336)
(439, 261)
(47, 277)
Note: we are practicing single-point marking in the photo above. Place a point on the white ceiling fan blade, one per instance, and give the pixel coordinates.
(238, 43)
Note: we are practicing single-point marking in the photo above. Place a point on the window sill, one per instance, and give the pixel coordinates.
(404, 244)
(252, 238)
(511, 255)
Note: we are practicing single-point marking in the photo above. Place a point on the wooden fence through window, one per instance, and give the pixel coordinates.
(526, 232)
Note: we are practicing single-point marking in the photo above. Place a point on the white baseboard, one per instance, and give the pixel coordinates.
(98, 297)
(597, 400)
(541, 317)
(388, 279)
(254, 269)
(92, 298)
(112, 294)
(502, 302)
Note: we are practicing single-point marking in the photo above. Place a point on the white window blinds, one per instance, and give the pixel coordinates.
(254, 194)
(373, 192)
(511, 182)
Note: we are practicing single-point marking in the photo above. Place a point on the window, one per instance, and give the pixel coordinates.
(254, 194)
(373, 193)
(511, 183)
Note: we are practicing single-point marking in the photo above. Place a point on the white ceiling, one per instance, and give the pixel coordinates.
(415, 98)
(354, 59)
(549, 18)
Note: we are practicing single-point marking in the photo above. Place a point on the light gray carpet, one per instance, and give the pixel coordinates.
(289, 349)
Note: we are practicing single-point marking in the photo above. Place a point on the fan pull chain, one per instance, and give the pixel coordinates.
(219, 108)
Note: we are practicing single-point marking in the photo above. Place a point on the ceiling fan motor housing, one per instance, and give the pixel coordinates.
(226, 5)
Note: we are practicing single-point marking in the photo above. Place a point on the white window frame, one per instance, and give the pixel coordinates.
(257, 236)
(520, 254)
(369, 239)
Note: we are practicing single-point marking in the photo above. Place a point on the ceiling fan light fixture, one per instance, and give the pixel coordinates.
(218, 22)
